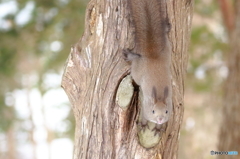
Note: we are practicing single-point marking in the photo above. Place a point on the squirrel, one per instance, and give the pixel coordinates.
(151, 60)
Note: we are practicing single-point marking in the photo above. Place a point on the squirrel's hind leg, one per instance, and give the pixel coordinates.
(129, 55)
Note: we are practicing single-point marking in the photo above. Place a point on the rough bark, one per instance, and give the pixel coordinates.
(94, 70)
(229, 139)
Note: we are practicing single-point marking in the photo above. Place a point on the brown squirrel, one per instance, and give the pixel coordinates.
(151, 59)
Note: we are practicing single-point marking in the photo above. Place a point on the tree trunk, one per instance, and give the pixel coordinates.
(229, 139)
(95, 72)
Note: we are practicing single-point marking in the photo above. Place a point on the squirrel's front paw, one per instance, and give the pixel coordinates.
(143, 126)
(157, 129)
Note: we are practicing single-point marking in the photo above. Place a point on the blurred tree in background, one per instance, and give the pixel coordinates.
(35, 39)
(229, 136)
(207, 49)
(207, 70)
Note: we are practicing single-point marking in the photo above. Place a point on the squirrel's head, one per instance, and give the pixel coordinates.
(159, 110)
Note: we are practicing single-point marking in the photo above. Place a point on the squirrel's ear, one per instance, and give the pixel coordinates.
(154, 94)
(165, 95)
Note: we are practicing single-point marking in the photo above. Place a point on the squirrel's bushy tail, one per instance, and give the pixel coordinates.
(151, 25)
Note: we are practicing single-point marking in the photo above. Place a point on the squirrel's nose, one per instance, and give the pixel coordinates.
(159, 120)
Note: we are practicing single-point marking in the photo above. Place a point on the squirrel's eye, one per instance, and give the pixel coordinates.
(166, 111)
(153, 111)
